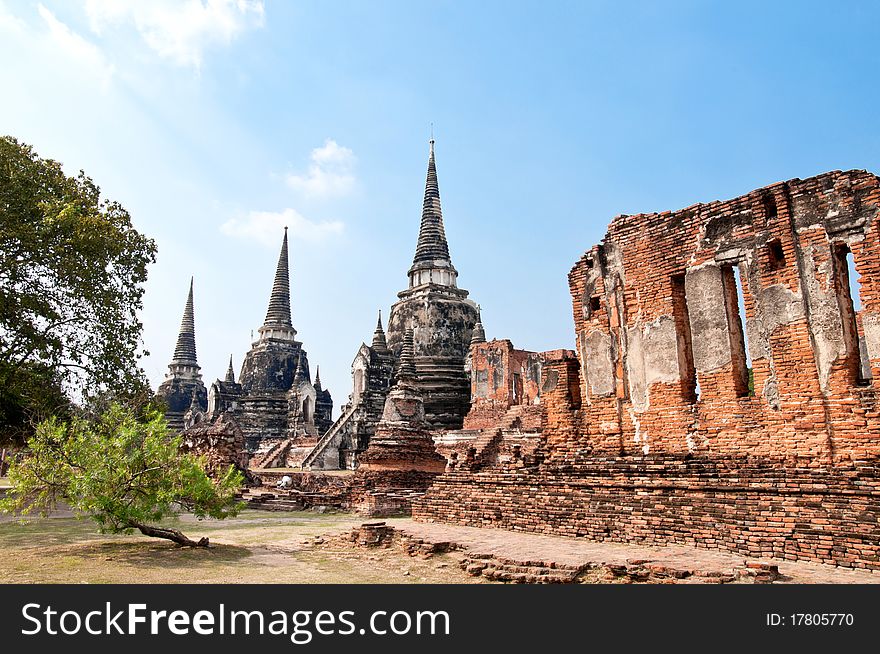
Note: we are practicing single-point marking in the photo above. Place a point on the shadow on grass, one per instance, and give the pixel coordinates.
(43, 532)
(161, 555)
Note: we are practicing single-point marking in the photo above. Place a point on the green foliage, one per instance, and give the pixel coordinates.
(71, 273)
(123, 473)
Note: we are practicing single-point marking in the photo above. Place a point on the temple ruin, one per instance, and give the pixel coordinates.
(723, 391)
(442, 319)
(183, 388)
(278, 409)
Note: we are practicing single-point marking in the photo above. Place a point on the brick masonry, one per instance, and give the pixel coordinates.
(681, 420)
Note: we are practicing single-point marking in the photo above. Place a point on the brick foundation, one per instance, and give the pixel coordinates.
(760, 508)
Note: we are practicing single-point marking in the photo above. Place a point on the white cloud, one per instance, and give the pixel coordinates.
(8, 22)
(178, 30)
(266, 227)
(331, 172)
(73, 47)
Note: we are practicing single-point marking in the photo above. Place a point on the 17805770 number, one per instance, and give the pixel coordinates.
(810, 620)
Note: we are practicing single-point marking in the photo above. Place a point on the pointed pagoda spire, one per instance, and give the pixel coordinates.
(300, 375)
(279, 301)
(407, 370)
(317, 383)
(230, 373)
(278, 323)
(432, 250)
(379, 342)
(185, 350)
(479, 334)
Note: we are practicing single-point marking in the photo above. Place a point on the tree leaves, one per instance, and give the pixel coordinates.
(72, 268)
(123, 473)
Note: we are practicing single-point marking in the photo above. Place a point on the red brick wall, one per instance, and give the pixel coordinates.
(651, 433)
(755, 509)
(794, 412)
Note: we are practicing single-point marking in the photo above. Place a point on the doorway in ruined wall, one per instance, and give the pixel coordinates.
(307, 410)
(690, 389)
(617, 322)
(848, 291)
(734, 303)
(517, 388)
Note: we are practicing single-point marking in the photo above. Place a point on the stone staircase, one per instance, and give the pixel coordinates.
(525, 417)
(484, 443)
(289, 500)
(270, 501)
(331, 435)
(273, 454)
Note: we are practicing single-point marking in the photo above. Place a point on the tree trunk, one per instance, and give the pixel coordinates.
(170, 534)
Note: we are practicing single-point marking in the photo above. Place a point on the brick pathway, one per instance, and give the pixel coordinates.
(527, 546)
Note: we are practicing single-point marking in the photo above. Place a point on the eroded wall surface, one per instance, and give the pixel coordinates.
(672, 364)
(724, 389)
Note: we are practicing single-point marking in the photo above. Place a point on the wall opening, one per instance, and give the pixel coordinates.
(775, 254)
(617, 321)
(743, 380)
(770, 210)
(358, 384)
(849, 300)
(517, 388)
(690, 388)
(307, 410)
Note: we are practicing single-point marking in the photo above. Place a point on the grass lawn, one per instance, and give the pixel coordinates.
(255, 547)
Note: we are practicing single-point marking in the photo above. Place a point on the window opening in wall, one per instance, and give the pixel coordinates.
(743, 376)
(855, 287)
(690, 385)
(594, 304)
(775, 254)
(850, 302)
(618, 330)
(769, 206)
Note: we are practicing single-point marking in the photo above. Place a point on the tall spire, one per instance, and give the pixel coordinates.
(278, 323)
(479, 334)
(185, 351)
(407, 370)
(379, 342)
(432, 250)
(317, 383)
(279, 301)
(230, 373)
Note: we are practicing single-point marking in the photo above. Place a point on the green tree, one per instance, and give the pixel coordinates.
(124, 473)
(72, 268)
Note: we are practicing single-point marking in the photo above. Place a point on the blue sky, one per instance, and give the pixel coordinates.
(215, 123)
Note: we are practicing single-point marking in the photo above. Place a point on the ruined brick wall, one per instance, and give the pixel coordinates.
(503, 377)
(676, 424)
(664, 362)
(759, 509)
(221, 443)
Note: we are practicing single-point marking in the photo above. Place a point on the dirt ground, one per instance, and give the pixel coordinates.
(282, 547)
(256, 547)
